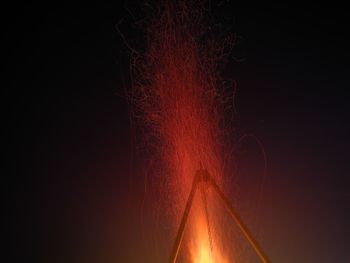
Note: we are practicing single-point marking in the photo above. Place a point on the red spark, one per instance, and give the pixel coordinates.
(181, 104)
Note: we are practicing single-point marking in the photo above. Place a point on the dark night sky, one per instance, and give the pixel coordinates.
(70, 127)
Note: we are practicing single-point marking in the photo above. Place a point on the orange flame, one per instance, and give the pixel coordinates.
(201, 251)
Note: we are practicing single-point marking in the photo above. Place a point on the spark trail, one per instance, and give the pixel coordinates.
(178, 94)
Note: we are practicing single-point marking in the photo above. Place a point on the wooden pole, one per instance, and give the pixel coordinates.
(260, 253)
(180, 232)
(202, 176)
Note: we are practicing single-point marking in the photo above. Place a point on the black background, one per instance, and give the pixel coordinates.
(70, 131)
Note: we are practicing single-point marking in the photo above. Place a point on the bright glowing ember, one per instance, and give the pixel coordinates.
(182, 107)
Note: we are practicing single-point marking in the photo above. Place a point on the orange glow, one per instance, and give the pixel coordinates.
(183, 110)
(200, 250)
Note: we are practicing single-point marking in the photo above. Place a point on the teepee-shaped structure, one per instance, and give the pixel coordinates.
(202, 177)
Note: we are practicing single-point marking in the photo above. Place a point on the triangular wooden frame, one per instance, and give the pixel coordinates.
(202, 176)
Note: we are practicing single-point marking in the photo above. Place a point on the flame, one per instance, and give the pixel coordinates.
(201, 250)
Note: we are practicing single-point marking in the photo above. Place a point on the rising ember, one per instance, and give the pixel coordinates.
(177, 85)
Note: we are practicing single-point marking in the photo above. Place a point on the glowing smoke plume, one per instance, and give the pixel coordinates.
(177, 85)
